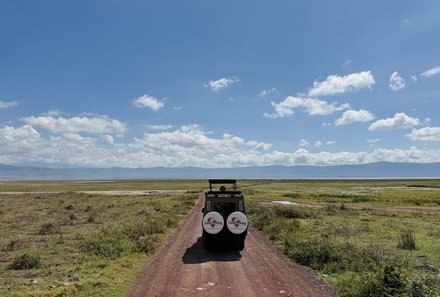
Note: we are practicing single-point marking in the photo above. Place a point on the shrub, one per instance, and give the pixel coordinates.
(407, 241)
(115, 242)
(108, 243)
(25, 261)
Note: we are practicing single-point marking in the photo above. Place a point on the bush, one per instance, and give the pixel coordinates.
(387, 281)
(115, 242)
(407, 241)
(25, 261)
(108, 243)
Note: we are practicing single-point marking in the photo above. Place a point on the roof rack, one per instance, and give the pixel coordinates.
(222, 181)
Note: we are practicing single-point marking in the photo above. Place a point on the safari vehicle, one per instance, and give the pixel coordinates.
(224, 216)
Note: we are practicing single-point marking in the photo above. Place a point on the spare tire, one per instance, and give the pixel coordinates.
(237, 222)
(213, 222)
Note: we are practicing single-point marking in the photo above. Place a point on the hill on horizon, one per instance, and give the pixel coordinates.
(368, 170)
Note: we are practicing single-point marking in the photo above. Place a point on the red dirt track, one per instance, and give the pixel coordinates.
(182, 267)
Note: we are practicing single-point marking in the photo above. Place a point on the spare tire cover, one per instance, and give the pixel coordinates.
(213, 222)
(237, 222)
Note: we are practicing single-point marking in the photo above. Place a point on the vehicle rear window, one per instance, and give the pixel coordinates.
(224, 208)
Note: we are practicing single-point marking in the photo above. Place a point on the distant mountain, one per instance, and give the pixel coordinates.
(370, 170)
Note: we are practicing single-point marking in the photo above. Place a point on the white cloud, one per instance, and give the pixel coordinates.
(22, 133)
(425, 134)
(91, 125)
(396, 81)
(303, 143)
(318, 143)
(351, 116)
(264, 93)
(188, 145)
(149, 102)
(335, 84)
(312, 106)
(431, 72)
(23, 144)
(414, 78)
(108, 139)
(330, 142)
(400, 120)
(217, 85)
(160, 127)
(5, 105)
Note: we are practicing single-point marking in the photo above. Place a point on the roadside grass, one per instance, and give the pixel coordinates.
(71, 244)
(358, 252)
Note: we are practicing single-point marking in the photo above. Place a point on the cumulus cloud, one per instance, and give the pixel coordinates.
(425, 134)
(396, 81)
(79, 124)
(108, 139)
(147, 101)
(351, 116)
(23, 144)
(312, 106)
(431, 72)
(335, 84)
(400, 120)
(5, 105)
(188, 145)
(217, 85)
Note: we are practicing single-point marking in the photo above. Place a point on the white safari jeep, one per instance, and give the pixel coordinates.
(224, 216)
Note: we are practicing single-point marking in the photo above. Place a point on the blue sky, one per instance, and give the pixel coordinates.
(219, 83)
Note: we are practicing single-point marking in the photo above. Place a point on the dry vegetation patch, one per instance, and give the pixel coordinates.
(73, 244)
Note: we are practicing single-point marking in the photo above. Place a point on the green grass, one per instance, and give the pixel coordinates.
(92, 245)
(194, 186)
(360, 252)
(377, 192)
(357, 251)
(71, 244)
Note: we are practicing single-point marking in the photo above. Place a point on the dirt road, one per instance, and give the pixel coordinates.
(181, 267)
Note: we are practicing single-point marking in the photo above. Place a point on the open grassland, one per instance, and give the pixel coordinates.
(73, 244)
(363, 192)
(364, 237)
(126, 185)
(360, 251)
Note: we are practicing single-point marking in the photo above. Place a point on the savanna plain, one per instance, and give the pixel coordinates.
(363, 237)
